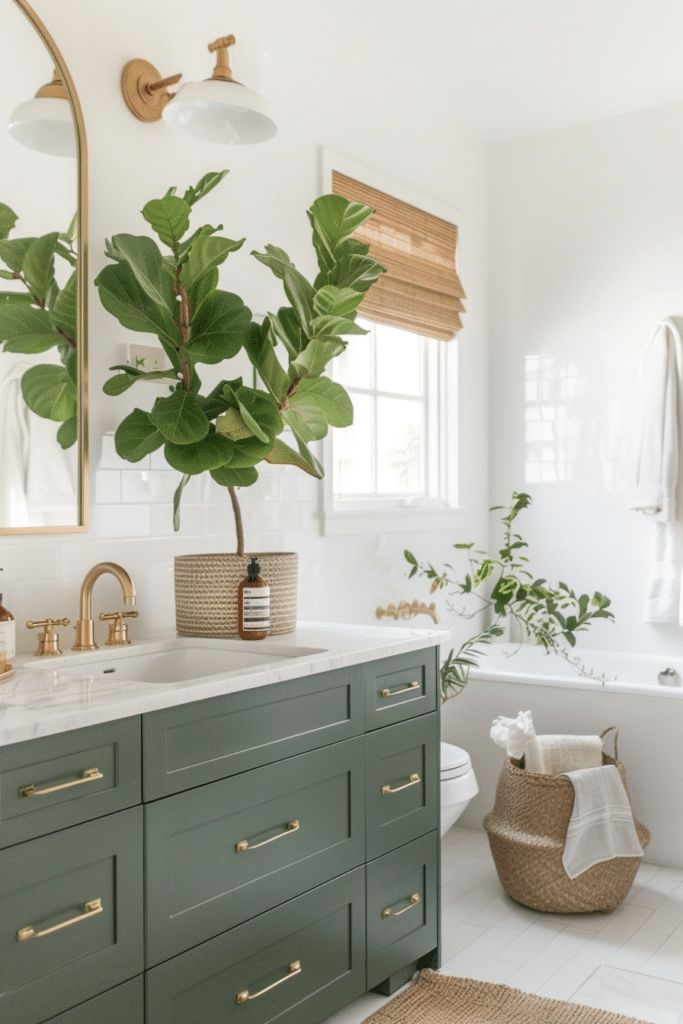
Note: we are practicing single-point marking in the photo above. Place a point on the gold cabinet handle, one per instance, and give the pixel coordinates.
(246, 844)
(90, 909)
(387, 692)
(88, 775)
(412, 902)
(414, 780)
(293, 970)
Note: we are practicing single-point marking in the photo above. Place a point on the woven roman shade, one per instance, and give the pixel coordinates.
(421, 290)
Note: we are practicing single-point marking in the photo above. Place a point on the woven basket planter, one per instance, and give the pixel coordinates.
(206, 592)
(527, 830)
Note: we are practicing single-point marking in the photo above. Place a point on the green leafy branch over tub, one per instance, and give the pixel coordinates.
(505, 589)
(40, 316)
(175, 296)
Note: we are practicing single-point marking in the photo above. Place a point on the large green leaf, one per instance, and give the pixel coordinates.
(177, 498)
(317, 354)
(205, 185)
(49, 392)
(220, 326)
(180, 418)
(333, 220)
(146, 262)
(136, 436)
(25, 328)
(297, 289)
(355, 271)
(287, 328)
(129, 375)
(282, 455)
(8, 219)
(207, 252)
(123, 297)
(214, 451)
(64, 310)
(317, 404)
(13, 251)
(228, 477)
(258, 411)
(67, 435)
(261, 352)
(169, 217)
(39, 265)
(333, 301)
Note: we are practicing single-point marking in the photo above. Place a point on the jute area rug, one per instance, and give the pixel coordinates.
(439, 999)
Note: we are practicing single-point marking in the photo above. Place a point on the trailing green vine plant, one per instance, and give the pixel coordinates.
(504, 587)
(39, 316)
(173, 294)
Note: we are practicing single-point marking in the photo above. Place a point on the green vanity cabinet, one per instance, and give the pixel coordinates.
(266, 855)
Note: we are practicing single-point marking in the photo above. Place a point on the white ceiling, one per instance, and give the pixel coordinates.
(510, 68)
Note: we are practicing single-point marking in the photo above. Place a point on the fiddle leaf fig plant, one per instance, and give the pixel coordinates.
(40, 315)
(503, 586)
(173, 293)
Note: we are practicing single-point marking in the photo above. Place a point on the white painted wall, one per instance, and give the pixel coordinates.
(328, 88)
(587, 255)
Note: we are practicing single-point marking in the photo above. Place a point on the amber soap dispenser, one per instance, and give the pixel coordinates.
(253, 604)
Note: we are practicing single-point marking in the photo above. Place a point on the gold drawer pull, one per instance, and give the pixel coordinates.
(245, 996)
(386, 692)
(88, 775)
(90, 909)
(414, 780)
(246, 844)
(413, 902)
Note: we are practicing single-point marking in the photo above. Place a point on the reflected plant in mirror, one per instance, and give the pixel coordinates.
(219, 426)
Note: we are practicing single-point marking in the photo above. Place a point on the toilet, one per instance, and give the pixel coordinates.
(458, 784)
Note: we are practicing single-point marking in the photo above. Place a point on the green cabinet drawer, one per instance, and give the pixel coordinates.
(58, 945)
(401, 687)
(122, 1005)
(402, 907)
(402, 784)
(57, 781)
(296, 964)
(212, 739)
(224, 852)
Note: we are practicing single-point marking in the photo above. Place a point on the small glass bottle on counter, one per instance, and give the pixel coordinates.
(253, 604)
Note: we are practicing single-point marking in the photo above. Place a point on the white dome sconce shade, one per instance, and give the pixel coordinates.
(46, 122)
(219, 110)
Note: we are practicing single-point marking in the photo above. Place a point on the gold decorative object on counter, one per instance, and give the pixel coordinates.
(85, 627)
(409, 610)
(48, 640)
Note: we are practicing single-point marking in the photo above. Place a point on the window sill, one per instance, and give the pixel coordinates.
(388, 520)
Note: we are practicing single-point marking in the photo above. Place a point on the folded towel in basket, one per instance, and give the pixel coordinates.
(555, 755)
(601, 826)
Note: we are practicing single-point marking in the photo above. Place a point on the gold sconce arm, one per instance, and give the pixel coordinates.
(144, 90)
(222, 71)
(409, 610)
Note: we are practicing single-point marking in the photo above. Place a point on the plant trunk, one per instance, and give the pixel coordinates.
(239, 526)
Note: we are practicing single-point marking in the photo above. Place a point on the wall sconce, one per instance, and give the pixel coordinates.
(46, 122)
(219, 109)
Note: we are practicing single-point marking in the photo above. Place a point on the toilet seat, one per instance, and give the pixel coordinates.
(455, 762)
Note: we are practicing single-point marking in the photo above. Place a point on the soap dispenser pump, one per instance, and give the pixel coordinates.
(8, 644)
(253, 604)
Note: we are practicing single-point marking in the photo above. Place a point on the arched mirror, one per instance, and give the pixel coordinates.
(43, 283)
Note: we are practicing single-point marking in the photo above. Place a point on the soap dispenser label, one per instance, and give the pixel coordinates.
(256, 605)
(7, 639)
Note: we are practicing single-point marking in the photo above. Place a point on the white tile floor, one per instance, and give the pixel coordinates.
(630, 961)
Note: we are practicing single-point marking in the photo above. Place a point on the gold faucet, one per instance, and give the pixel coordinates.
(408, 610)
(85, 627)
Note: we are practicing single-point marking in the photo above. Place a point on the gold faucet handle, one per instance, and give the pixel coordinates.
(48, 640)
(118, 629)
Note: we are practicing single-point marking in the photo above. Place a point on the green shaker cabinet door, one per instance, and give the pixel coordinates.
(225, 852)
(56, 781)
(401, 687)
(402, 783)
(70, 916)
(296, 964)
(122, 1005)
(402, 902)
(197, 743)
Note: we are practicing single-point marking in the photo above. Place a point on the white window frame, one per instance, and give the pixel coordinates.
(379, 514)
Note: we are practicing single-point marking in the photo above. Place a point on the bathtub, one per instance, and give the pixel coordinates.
(611, 688)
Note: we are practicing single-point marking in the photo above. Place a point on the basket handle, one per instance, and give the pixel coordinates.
(615, 730)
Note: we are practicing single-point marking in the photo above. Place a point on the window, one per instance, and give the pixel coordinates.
(395, 453)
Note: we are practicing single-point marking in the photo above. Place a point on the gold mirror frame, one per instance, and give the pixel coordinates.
(82, 196)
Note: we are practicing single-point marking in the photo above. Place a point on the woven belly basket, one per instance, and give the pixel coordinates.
(527, 830)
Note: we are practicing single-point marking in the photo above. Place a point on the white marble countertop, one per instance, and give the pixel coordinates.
(46, 696)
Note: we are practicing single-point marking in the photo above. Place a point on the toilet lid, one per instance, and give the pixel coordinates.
(454, 760)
